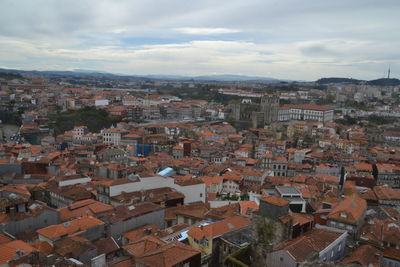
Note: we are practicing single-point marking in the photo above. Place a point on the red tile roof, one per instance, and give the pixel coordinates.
(386, 193)
(392, 253)
(9, 250)
(143, 245)
(87, 207)
(4, 239)
(140, 232)
(247, 208)
(349, 210)
(218, 228)
(69, 228)
(364, 255)
(277, 201)
(168, 255)
(313, 240)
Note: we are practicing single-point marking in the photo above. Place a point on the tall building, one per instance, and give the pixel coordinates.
(259, 114)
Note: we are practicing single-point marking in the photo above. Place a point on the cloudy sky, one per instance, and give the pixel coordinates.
(287, 39)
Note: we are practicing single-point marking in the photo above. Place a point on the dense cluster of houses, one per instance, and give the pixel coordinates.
(199, 194)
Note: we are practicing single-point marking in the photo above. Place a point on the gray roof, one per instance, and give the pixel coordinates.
(287, 190)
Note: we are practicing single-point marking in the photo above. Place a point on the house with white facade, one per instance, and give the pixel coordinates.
(193, 189)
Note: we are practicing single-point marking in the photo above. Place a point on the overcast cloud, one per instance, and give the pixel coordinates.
(288, 39)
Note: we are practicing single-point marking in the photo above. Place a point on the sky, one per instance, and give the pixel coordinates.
(284, 39)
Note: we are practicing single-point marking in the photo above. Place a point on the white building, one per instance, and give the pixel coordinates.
(194, 190)
(307, 112)
(73, 179)
(79, 131)
(101, 102)
(113, 135)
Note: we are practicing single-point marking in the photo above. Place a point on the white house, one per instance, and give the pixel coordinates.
(194, 189)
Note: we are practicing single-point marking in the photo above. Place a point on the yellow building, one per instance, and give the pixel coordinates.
(205, 237)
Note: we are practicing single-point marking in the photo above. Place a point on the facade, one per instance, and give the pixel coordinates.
(388, 174)
(306, 112)
(127, 218)
(273, 207)
(206, 237)
(278, 165)
(348, 214)
(20, 217)
(258, 114)
(113, 136)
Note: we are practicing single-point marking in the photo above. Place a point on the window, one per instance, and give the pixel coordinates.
(340, 247)
(332, 253)
(201, 194)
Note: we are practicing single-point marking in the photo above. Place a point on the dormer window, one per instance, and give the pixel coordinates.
(343, 215)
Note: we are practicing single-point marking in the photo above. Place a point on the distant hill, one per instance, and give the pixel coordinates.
(233, 78)
(377, 82)
(218, 78)
(10, 76)
(385, 82)
(96, 73)
(338, 80)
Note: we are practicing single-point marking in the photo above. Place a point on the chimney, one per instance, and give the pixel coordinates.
(12, 212)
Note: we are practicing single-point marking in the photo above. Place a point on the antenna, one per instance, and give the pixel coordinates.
(389, 72)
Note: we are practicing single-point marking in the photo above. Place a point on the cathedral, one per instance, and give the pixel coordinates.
(259, 114)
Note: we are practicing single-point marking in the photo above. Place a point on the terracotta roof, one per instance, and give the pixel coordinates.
(326, 178)
(122, 262)
(18, 189)
(364, 255)
(275, 200)
(168, 255)
(106, 245)
(210, 180)
(363, 167)
(123, 212)
(4, 239)
(308, 107)
(314, 240)
(378, 231)
(9, 250)
(386, 193)
(43, 247)
(301, 219)
(197, 211)
(87, 207)
(392, 253)
(349, 210)
(219, 228)
(189, 182)
(225, 211)
(140, 232)
(143, 245)
(73, 246)
(247, 208)
(69, 228)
